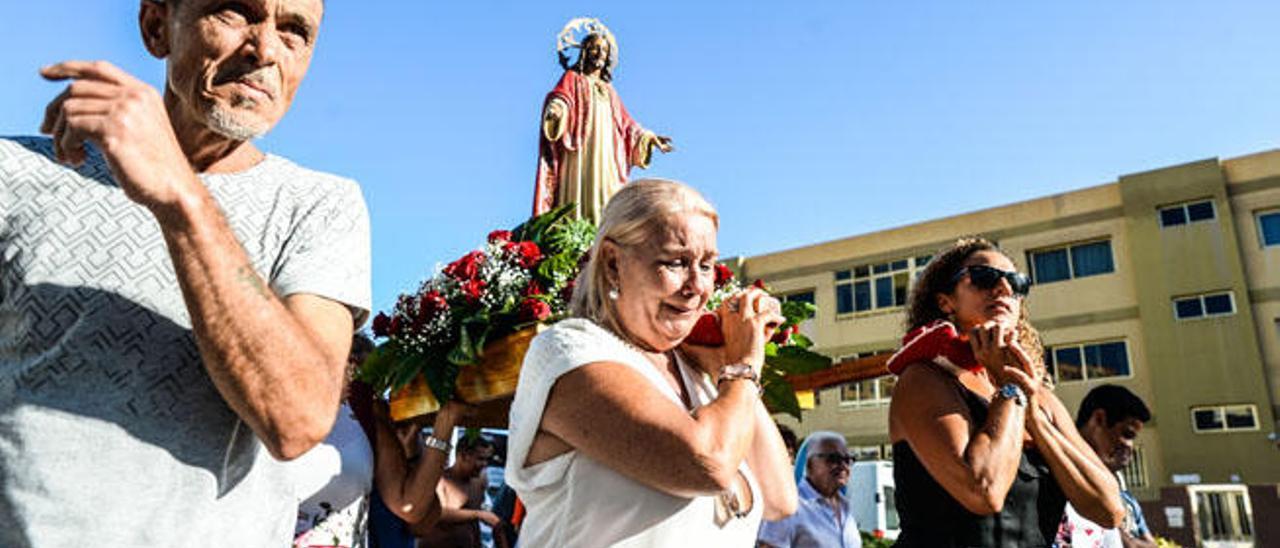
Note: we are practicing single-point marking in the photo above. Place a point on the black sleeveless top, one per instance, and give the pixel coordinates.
(931, 517)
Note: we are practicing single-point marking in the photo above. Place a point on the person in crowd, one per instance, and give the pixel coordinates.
(620, 433)
(386, 529)
(984, 453)
(182, 303)
(1109, 419)
(408, 468)
(334, 478)
(824, 518)
(461, 494)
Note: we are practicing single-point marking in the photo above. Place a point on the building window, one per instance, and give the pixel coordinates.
(1206, 305)
(1135, 473)
(1224, 514)
(869, 392)
(1082, 362)
(876, 287)
(1072, 261)
(1224, 418)
(1269, 228)
(801, 296)
(1190, 212)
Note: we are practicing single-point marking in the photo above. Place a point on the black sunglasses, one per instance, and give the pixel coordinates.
(985, 277)
(835, 458)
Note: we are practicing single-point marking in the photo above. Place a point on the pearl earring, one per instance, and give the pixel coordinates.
(613, 293)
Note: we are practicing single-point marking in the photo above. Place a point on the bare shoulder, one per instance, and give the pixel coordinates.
(922, 394)
(604, 388)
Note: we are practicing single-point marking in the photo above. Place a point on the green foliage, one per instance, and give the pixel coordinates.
(561, 240)
(780, 361)
(870, 541)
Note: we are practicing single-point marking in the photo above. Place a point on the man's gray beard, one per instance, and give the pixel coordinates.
(224, 122)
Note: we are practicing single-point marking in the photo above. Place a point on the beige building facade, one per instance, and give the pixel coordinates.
(1166, 282)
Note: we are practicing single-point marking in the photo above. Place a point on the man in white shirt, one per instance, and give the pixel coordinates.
(824, 518)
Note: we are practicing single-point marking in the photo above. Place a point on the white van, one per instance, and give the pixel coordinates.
(870, 494)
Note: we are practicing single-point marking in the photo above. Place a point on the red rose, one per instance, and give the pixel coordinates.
(381, 324)
(527, 253)
(473, 289)
(758, 284)
(534, 288)
(723, 275)
(394, 328)
(499, 236)
(783, 336)
(465, 268)
(534, 309)
(706, 332)
(431, 304)
(566, 293)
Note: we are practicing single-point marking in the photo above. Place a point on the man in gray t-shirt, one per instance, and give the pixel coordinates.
(176, 306)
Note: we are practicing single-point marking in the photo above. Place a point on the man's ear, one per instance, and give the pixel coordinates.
(153, 22)
(1098, 418)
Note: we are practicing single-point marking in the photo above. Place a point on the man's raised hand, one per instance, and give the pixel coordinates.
(126, 119)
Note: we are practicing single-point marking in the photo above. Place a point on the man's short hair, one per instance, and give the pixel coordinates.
(471, 444)
(1116, 402)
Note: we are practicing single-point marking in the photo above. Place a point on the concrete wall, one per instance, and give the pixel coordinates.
(1175, 364)
(1205, 361)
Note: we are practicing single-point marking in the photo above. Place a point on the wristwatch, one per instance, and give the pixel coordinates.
(1010, 391)
(739, 371)
(438, 444)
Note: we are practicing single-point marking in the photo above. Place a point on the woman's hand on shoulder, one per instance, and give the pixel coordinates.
(748, 319)
(990, 343)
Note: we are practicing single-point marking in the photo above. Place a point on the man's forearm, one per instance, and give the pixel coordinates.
(273, 372)
(458, 515)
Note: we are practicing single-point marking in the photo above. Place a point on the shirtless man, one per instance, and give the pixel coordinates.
(461, 492)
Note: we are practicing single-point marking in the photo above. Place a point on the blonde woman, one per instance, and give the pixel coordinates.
(621, 436)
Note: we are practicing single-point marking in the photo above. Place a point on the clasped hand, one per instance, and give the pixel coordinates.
(748, 320)
(127, 120)
(997, 348)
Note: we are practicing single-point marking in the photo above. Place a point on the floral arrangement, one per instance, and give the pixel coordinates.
(518, 278)
(525, 276)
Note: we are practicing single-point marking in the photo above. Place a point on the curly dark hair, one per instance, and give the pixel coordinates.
(922, 306)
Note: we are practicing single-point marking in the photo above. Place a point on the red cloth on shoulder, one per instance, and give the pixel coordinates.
(938, 342)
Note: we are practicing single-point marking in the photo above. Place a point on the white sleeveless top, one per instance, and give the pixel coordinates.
(574, 501)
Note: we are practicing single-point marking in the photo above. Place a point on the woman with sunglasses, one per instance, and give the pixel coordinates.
(984, 453)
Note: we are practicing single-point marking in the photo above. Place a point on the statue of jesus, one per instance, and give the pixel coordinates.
(588, 141)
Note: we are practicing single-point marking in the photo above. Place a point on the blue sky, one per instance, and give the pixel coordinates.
(802, 121)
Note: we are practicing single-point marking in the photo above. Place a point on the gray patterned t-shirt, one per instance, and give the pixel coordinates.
(111, 431)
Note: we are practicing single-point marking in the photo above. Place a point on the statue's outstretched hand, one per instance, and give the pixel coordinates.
(664, 144)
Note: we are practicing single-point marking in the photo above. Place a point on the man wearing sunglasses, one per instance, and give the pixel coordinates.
(824, 518)
(1109, 419)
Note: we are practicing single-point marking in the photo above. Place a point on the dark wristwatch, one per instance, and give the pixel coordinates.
(1010, 391)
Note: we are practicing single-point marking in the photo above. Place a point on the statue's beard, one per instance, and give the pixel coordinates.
(235, 126)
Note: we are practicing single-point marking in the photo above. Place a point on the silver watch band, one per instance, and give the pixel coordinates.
(438, 444)
(737, 371)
